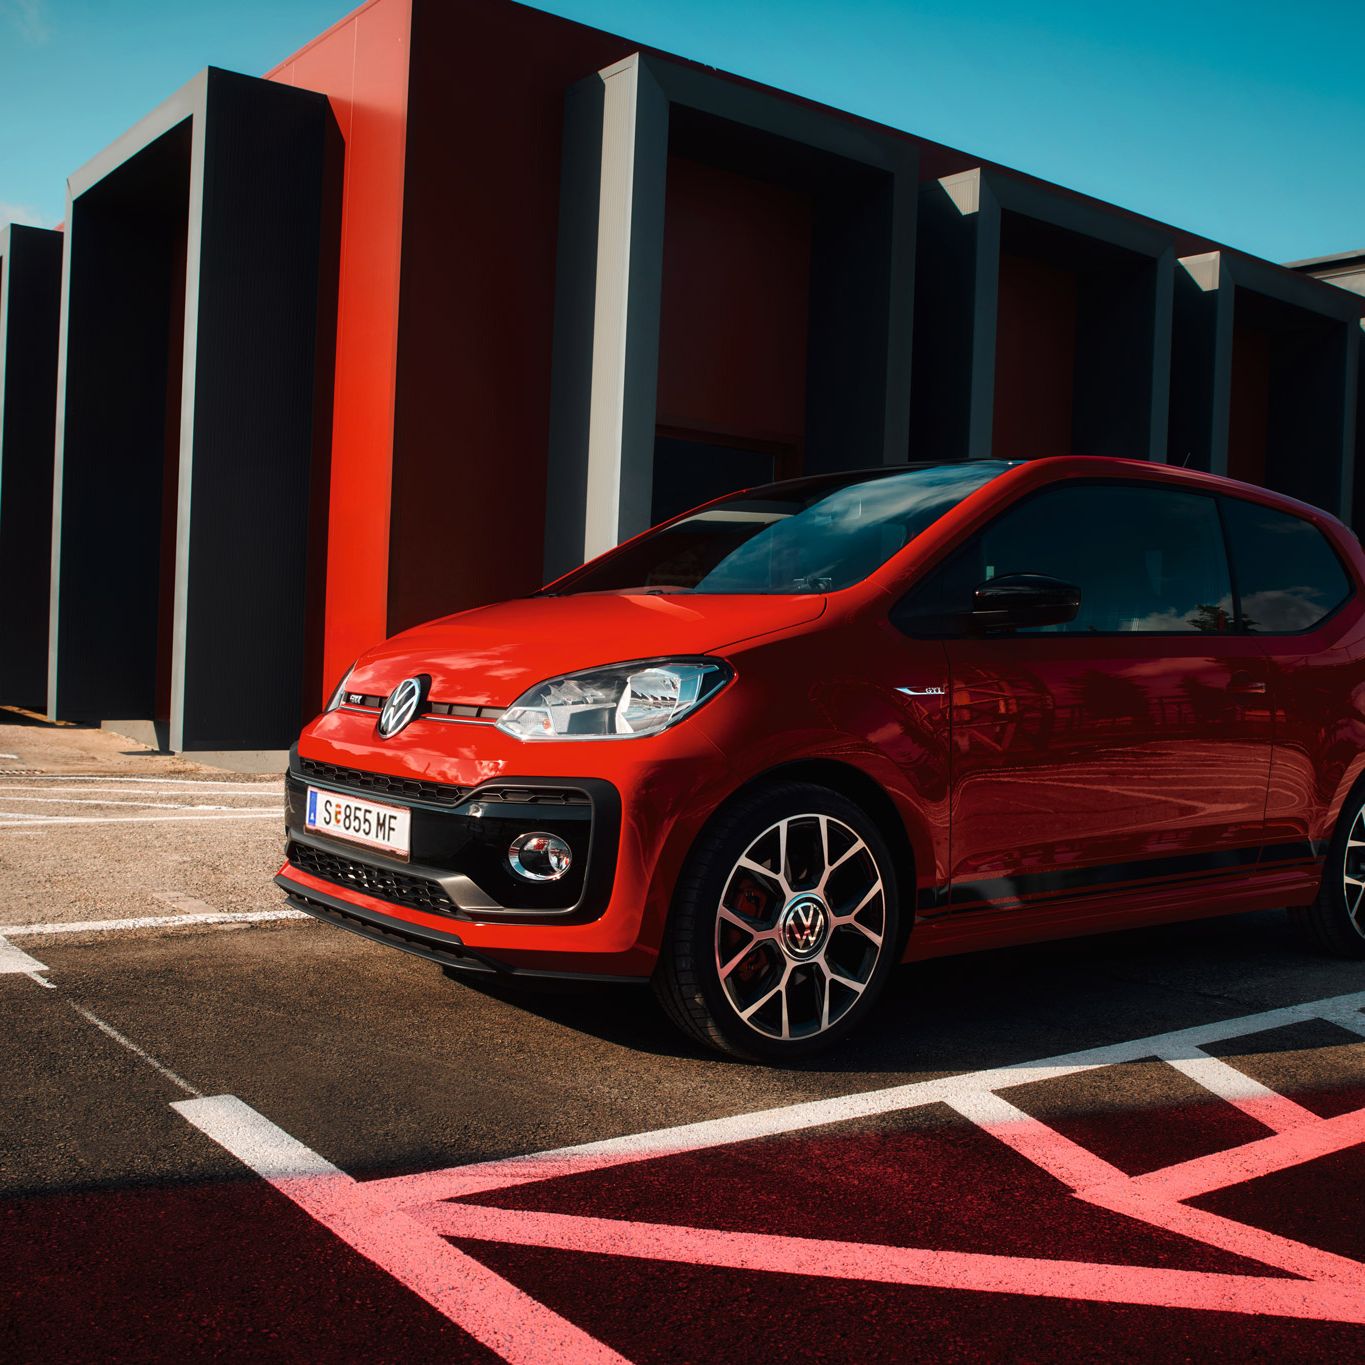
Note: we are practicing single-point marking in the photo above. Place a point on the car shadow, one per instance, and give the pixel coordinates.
(1008, 1005)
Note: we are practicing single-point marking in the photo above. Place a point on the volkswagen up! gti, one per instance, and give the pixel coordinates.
(762, 753)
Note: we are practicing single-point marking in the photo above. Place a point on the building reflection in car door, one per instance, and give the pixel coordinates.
(1080, 771)
(1127, 744)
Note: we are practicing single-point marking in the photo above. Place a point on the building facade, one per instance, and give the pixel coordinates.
(463, 293)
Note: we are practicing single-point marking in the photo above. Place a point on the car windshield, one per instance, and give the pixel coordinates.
(807, 536)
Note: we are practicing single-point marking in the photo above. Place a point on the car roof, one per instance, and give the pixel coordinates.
(1047, 468)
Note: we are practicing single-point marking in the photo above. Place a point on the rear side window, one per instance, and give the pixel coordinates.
(1147, 561)
(1288, 576)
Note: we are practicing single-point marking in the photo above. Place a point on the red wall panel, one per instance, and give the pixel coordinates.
(361, 64)
(479, 242)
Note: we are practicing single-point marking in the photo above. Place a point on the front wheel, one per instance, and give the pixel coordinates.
(784, 925)
(1336, 919)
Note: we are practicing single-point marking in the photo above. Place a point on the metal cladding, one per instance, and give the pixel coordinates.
(462, 293)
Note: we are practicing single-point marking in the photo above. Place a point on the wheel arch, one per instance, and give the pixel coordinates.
(1350, 782)
(869, 795)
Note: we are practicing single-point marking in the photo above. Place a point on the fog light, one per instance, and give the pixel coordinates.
(540, 857)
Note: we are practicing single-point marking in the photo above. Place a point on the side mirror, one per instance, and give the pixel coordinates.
(1014, 601)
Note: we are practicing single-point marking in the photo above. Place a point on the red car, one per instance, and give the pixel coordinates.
(767, 750)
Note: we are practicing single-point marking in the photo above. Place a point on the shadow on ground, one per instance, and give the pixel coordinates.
(1009, 1005)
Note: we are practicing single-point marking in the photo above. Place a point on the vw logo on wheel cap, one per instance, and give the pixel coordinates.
(804, 925)
(402, 705)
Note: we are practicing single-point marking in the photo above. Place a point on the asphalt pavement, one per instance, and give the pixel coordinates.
(232, 1133)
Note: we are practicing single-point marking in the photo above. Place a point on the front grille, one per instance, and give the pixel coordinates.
(467, 710)
(459, 708)
(383, 784)
(535, 796)
(419, 893)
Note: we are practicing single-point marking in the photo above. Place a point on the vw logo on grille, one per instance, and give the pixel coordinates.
(402, 705)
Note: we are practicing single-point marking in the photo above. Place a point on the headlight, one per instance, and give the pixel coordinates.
(621, 702)
(340, 690)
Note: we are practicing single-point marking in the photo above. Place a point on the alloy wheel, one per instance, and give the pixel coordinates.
(800, 927)
(1353, 873)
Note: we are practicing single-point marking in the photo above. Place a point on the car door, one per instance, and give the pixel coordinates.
(1127, 747)
(1298, 602)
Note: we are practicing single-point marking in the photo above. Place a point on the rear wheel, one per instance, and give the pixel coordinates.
(784, 925)
(1336, 919)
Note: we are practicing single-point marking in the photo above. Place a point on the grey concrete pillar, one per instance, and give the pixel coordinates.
(1123, 269)
(956, 305)
(609, 275)
(188, 414)
(1201, 369)
(1312, 345)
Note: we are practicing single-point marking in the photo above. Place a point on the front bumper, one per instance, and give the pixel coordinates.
(630, 826)
(446, 948)
(460, 836)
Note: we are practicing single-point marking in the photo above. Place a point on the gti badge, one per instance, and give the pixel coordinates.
(402, 705)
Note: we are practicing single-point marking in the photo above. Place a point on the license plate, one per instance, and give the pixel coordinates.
(362, 822)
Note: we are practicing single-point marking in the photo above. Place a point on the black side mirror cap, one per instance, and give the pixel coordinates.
(1015, 601)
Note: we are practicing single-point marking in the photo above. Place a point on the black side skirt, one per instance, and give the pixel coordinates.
(1062, 884)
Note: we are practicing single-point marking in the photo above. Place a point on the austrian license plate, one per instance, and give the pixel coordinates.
(362, 822)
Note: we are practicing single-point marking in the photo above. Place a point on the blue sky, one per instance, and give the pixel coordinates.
(1242, 121)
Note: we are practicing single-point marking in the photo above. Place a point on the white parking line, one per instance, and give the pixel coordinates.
(111, 801)
(8, 788)
(122, 1040)
(18, 819)
(119, 926)
(1346, 1017)
(826, 1259)
(391, 1221)
(480, 1177)
(14, 961)
(401, 1223)
(492, 1310)
(144, 781)
(1265, 1105)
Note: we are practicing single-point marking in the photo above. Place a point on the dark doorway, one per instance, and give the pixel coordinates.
(1284, 423)
(690, 469)
(125, 320)
(30, 303)
(1073, 372)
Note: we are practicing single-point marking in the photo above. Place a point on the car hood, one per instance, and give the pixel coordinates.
(489, 656)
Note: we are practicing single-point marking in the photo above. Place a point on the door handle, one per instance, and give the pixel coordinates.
(1242, 681)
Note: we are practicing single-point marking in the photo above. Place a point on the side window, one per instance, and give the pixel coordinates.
(1288, 576)
(1146, 560)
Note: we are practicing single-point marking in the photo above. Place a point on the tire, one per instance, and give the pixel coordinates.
(784, 925)
(1335, 922)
